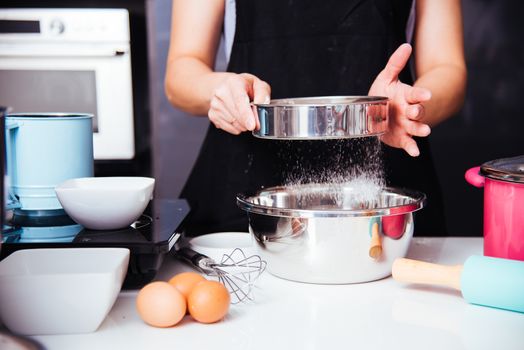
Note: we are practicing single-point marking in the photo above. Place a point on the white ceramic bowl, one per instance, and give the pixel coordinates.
(215, 245)
(60, 291)
(105, 203)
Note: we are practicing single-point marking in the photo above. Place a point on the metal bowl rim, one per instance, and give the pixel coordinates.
(419, 201)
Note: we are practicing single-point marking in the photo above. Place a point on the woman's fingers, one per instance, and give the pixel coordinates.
(229, 128)
(404, 124)
(230, 107)
(399, 139)
(221, 116)
(221, 113)
(403, 141)
(242, 104)
(396, 63)
(261, 91)
(234, 95)
(415, 112)
(406, 109)
(417, 129)
(220, 121)
(410, 146)
(261, 94)
(243, 87)
(225, 104)
(415, 94)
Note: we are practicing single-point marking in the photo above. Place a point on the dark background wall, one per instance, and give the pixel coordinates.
(491, 123)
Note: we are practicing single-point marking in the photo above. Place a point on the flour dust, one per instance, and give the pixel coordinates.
(352, 164)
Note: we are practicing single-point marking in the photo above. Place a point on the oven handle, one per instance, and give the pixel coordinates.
(65, 53)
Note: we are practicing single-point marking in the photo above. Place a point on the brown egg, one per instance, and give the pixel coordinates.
(159, 304)
(185, 282)
(208, 302)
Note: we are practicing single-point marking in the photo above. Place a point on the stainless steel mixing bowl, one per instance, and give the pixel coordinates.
(322, 234)
(330, 117)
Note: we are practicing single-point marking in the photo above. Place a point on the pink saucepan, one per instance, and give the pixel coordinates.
(503, 182)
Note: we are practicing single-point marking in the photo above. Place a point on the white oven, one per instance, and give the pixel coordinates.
(71, 60)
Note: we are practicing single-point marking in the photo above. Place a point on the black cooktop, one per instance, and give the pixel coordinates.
(152, 236)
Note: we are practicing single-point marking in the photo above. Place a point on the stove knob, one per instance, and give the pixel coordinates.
(56, 27)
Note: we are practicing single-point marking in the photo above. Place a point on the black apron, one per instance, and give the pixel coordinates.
(307, 48)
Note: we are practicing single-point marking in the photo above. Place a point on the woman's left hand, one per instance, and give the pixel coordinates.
(406, 111)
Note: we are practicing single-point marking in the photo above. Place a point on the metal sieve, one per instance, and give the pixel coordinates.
(319, 118)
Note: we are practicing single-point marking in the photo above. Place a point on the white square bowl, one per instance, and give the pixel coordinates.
(60, 291)
(105, 203)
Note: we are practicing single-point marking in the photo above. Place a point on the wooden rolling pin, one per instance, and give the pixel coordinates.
(482, 280)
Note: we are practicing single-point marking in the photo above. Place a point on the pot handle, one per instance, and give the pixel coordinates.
(474, 178)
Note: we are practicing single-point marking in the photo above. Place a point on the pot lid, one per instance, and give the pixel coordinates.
(505, 169)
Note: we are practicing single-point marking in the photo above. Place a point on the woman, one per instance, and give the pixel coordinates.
(312, 48)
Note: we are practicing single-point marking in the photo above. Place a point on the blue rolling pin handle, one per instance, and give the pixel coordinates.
(494, 282)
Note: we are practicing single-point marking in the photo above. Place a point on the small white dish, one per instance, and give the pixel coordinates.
(215, 245)
(60, 291)
(105, 203)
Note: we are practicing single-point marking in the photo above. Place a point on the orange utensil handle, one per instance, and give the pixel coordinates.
(375, 249)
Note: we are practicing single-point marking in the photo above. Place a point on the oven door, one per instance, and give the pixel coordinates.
(74, 77)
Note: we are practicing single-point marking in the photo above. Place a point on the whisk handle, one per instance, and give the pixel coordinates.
(194, 258)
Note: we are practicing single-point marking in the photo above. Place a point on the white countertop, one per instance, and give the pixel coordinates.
(289, 315)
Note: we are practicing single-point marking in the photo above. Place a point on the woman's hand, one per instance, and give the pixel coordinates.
(406, 111)
(230, 108)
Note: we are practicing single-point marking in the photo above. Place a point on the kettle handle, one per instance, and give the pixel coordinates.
(9, 125)
(11, 200)
(474, 178)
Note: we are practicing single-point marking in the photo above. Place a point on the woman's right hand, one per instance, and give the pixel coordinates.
(230, 108)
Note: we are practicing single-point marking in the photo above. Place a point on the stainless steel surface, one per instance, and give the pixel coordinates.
(330, 117)
(320, 234)
(505, 169)
(236, 271)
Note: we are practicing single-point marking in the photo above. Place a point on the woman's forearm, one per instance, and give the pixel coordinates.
(190, 83)
(195, 35)
(439, 57)
(447, 84)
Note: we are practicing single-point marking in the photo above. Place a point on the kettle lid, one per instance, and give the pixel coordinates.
(505, 169)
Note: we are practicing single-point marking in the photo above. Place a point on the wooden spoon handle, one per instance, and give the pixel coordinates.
(375, 248)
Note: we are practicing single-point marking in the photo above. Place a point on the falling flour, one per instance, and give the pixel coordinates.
(355, 165)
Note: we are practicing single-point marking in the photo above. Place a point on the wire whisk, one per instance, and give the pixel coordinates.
(236, 271)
